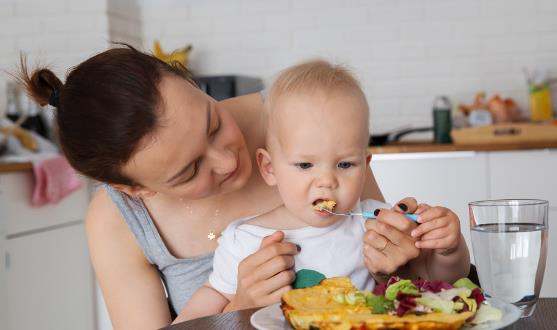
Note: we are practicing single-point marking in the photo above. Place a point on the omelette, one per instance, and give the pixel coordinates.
(398, 304)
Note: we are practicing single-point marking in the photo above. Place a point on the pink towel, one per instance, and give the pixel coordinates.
(54, 180)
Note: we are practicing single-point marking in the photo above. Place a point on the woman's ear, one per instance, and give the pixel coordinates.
(134, 191)
(265, 167)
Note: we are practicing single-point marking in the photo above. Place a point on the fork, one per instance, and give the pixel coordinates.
(368, 215)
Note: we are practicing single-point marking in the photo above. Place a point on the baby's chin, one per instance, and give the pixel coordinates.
(320, 221)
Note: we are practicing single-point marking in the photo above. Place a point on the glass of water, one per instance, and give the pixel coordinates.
(509, 239)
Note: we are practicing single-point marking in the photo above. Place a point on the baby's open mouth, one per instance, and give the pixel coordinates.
(324, 204)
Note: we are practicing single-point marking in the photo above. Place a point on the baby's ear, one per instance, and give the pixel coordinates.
(265, 166)
(368, 158)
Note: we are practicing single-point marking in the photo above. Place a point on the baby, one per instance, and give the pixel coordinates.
(316, 154)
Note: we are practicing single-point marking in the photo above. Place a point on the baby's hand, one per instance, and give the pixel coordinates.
(439, 229)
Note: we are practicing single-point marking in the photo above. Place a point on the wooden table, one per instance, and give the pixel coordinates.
(545, 317)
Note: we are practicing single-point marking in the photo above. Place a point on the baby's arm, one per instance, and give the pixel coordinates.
(204, 302)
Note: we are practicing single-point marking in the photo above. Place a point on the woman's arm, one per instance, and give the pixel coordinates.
(131, 287)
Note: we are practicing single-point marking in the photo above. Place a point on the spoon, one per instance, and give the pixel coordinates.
(368, 215)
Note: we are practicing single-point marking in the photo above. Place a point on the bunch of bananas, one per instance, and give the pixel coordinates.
(179, 55)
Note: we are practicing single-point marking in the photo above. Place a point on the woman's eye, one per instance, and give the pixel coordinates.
(304, 166)
(344, 165)
(195, 170)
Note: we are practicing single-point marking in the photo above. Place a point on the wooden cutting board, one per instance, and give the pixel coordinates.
(508, 133)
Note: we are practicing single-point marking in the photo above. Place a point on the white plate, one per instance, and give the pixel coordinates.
(271, 318)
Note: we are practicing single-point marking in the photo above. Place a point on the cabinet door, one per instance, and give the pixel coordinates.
(530, 174)
(450, 179)
(50, 280)
(18, 215)
(524, 174)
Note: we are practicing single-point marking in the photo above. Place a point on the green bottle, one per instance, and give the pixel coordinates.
(442, 120)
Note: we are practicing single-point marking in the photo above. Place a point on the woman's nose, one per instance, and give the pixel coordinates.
(223, 161)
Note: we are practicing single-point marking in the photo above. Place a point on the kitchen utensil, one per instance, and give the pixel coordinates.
(368, 215)
(382, 139)
(509, 133)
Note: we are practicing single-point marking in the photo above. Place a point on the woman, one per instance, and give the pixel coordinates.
(177, 167)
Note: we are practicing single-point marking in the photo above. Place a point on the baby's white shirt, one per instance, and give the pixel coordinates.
(333, 251)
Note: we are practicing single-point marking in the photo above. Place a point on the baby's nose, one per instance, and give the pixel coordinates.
(327, 179)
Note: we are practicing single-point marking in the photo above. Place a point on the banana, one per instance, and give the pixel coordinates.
(26, 139)
(179, 55)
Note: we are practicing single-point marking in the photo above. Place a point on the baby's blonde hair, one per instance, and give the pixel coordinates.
(309, 77)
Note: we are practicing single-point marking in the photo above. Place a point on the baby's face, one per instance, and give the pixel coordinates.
(318, 152)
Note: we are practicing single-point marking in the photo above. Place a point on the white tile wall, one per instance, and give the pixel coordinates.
(58, 33)
(405, 52)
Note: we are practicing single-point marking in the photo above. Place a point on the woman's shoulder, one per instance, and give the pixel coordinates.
(247, 111)
(104, 222)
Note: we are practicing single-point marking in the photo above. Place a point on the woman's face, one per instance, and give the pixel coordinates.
(198, 149)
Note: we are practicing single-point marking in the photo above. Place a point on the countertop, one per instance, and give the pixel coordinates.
(15, 167)
(424, 146)
(391, 148)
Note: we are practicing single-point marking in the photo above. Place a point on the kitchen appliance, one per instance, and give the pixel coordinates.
(224, 87)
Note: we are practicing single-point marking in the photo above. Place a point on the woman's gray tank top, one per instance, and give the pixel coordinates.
(181, 277)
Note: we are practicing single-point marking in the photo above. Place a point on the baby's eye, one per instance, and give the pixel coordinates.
(304, 166)
(344, 165)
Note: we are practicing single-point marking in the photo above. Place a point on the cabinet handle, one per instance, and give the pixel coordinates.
(7, 261)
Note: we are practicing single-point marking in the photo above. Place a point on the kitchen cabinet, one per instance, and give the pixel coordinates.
(45, 275)
(450, 179)
(453, 179)
(530, 174)
(524, 174)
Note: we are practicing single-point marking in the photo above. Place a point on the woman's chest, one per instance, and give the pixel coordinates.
(192, 229)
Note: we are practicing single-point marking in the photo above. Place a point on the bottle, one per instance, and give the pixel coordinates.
(442, 120)
(35, 121)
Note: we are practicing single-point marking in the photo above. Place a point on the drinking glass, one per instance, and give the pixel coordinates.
(509, 239)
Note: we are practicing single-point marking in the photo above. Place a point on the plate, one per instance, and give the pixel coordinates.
(271, 318)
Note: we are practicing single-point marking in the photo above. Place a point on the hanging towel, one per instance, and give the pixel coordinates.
(54, 180)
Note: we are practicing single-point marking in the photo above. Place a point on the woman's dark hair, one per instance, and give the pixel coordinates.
(106, 107)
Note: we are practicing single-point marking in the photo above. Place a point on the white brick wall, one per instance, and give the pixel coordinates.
(405, 52)
(124, 17)
(58, 33)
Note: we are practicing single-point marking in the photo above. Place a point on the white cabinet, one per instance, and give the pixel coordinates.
(50, 281)
(46, 280)
(524, 174)
(530, 174)
(450, 179)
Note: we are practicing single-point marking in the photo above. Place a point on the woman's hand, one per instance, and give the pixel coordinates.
(265, 275)
(387, 242)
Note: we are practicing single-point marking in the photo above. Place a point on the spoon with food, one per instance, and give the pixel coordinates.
(329, 205)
